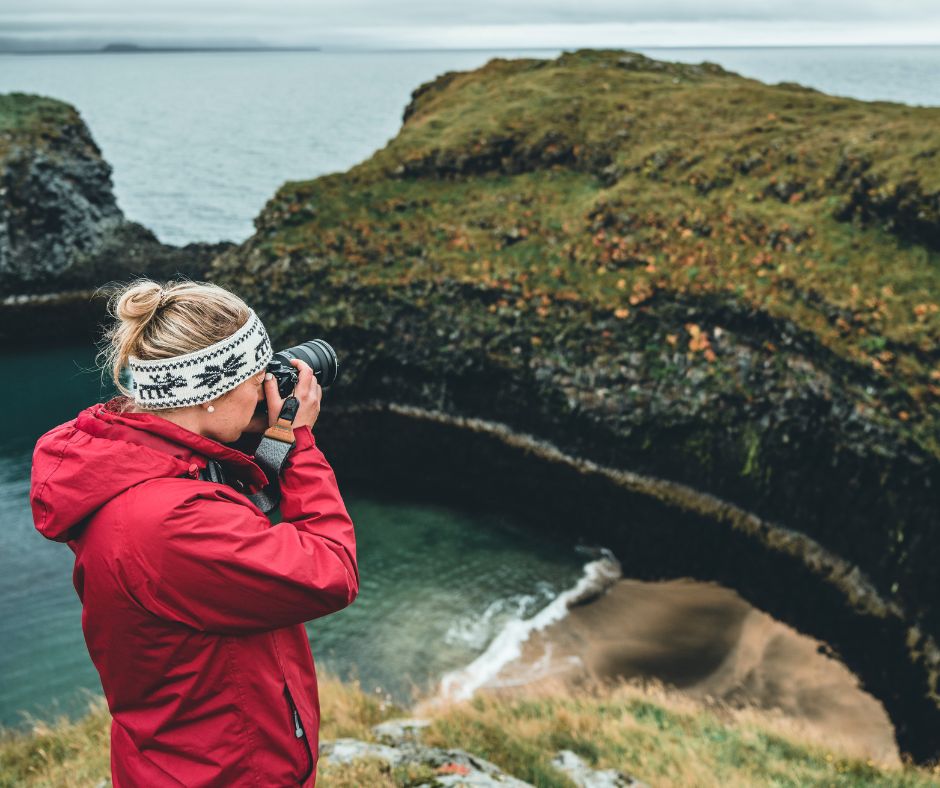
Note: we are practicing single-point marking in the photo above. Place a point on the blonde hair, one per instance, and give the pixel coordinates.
(154, 321)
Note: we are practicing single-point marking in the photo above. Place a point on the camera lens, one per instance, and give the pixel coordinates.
(319, 355)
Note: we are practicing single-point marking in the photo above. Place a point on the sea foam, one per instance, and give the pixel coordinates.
(597, 576)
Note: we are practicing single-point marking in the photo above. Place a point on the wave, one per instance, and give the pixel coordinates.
(598, 575)
(475, 631)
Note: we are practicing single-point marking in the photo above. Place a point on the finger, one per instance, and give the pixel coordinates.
(270, 387)
(273, 398)
(305, 379)
(299, 364)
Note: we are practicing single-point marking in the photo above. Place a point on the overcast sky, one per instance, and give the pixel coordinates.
(474, 23)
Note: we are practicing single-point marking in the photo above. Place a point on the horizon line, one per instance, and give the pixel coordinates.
(314, 48)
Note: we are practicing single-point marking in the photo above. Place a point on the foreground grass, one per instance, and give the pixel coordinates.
(658, 736)
(655, 735)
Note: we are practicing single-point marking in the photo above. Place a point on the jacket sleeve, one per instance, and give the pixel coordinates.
(212, 561)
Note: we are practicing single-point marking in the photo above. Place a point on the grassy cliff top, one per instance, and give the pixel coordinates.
(609, 179)
(37, 123)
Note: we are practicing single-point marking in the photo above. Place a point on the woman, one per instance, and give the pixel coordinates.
(193, 602)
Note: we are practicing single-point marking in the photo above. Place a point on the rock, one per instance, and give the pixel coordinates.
(400, 744)
(399, 730)
(586, 777)
(56, 200)
(348, 750)
(60, 225)
(451, 766)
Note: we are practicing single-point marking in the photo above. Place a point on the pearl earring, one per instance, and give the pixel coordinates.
(211, 409)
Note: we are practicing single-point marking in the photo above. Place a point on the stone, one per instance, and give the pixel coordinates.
(60, 225)
(451, 766)
(399, 730)
(586, 777)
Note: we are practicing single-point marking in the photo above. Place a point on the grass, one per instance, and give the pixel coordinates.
(63, 752)
(34, 122)
(658, 736)
(612, 179)
(653, 733)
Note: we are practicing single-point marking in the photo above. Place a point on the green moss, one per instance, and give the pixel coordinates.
(752, 449)
(607, 179)
(33, 121)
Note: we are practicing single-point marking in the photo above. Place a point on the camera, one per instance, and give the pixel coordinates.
(317, 353)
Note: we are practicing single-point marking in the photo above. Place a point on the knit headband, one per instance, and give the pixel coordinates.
(203, 374)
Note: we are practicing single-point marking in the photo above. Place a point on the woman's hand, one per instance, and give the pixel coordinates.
(307, 391)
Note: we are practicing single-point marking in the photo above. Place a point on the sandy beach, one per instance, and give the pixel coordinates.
(707, 641)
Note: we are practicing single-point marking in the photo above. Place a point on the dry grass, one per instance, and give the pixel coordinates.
(61, 753)
(655, 734)
(346, 710)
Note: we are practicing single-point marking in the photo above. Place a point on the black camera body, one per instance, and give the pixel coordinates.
(317, 353)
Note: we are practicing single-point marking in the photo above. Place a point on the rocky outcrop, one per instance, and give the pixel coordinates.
(555, 295)
(584, 776)
(60, 225)
(901, 204)
(449, 766)
(399, 744)
(56, 202)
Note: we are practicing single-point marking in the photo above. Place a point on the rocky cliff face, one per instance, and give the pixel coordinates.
(647, 303)
(61, 230)
(56, 203)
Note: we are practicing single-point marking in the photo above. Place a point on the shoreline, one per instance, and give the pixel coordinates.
(711, 645)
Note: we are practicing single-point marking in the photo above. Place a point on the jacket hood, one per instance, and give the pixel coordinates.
(82, 464)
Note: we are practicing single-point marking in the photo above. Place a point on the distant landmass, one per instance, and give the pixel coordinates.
(44, 48)
(137, 48)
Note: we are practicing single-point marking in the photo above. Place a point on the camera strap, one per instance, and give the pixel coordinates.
(270, 456)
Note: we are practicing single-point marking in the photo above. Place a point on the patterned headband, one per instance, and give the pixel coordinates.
(203, 374)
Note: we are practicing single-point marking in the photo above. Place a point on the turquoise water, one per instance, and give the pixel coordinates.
(437, 584)
(199, 142)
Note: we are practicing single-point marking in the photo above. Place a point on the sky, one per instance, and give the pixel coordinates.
(339, 24)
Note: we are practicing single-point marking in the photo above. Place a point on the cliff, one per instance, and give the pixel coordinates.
(60, 226)
(663, 307)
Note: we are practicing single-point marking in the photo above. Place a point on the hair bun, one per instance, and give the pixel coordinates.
(196, 315)
(138, 303)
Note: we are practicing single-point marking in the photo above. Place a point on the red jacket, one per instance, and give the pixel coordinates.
(193, 602)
